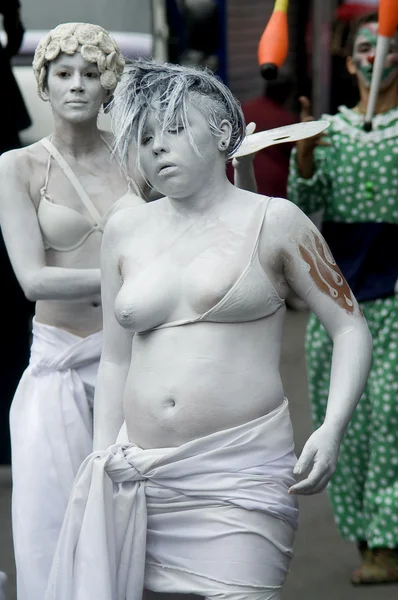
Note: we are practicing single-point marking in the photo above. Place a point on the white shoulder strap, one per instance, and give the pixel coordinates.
(73, 180)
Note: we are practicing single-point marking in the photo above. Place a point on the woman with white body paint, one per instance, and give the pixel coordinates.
(55, 198)
(198, 495)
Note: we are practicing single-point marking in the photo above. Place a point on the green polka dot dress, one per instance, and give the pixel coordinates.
(355, 184)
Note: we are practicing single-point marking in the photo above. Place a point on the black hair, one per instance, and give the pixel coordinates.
(372, 17)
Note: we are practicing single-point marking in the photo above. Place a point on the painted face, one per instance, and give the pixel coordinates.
(169, 161)
(74, 88)
(364, 56)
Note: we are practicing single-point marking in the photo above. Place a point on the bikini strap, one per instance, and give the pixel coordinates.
(85, 199)
(107, 144)
(131, 184)
(260, 225)
(44, 188)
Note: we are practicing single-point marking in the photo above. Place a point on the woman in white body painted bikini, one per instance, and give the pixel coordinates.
(194, 497)
(55, 198)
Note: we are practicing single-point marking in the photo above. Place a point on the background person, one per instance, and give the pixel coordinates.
(55, 198)
(353, 176)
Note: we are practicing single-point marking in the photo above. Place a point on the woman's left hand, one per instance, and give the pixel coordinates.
(319, 459)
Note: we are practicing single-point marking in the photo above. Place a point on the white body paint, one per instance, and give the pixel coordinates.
(176, 258)
(50, 442)
(193, 290)
(66, 285)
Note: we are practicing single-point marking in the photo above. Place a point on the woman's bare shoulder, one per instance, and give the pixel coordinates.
(283, 225)
(284, 213)
(23, 162)
(286, 225)
(276, 209)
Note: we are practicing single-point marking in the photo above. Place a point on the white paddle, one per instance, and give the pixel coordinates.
(281, 135)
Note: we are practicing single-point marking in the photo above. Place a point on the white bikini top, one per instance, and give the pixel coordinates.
(63, 228)
(146, 303)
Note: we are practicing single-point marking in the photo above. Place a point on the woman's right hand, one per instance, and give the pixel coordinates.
(317, 461)
(305, 148)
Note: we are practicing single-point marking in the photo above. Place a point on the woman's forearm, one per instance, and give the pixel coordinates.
(352, 356)
(108, 403)
(58, 283)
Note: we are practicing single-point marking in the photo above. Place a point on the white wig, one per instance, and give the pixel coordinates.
(170, 88)
(92, 41)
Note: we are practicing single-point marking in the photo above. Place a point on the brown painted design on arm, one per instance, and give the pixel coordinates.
(324, 271)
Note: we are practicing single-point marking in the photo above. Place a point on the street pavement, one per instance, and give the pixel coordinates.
(323, 561)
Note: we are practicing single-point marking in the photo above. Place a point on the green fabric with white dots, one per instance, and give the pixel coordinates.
(364, 489)
(356, 180)
(356, 177)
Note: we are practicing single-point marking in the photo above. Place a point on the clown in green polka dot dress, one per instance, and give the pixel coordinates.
(354, 181)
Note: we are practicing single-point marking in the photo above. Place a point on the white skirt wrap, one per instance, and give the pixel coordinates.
(207, 517)
(51, 435)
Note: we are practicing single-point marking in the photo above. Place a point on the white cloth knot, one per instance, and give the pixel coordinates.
(66, 361)
(105, 537)
(119, 468)
(43, 368)
(74, 355)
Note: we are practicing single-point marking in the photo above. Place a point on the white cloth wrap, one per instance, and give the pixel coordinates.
(214, 512)
(51, 435)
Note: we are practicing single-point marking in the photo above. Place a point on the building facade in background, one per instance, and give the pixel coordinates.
(118, 15)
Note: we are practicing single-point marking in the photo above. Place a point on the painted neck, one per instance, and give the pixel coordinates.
(208, 200)
(77, 139)
(387, 99)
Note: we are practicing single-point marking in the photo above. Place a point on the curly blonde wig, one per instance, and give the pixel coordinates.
(92, 41)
